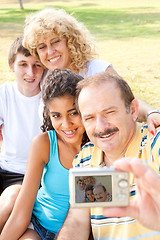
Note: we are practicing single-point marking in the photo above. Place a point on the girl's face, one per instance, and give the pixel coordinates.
(65, 119)
(53, 53)
(90, 195)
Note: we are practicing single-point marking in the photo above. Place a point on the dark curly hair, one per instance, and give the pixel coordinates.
(58, 83)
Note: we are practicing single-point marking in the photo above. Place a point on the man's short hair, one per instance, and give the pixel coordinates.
(97, 79)
(100, 185)
(15, 48)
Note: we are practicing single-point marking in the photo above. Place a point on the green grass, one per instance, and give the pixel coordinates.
(127, 34)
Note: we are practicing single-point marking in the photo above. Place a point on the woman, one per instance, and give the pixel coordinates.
(50, 157)
(60, 41)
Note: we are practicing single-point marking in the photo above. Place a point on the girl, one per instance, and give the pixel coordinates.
(89, 196)
(50, 157)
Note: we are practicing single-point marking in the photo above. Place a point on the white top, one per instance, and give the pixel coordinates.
(21, 121)
(95, 66)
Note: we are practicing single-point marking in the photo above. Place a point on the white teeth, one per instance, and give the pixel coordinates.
(27, 80)
(69, 132)
(54, 59)
(106, 136)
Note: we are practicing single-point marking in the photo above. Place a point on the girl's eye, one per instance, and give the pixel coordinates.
(74, 113)
(55, 115)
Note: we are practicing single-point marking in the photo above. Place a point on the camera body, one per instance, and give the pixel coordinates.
(98, 187)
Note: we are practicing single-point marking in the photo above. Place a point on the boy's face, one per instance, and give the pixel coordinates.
(28, 73)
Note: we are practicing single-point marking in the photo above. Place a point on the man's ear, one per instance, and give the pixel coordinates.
(11, 66)
(134, 109)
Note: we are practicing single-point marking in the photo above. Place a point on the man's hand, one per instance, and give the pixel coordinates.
(145, 207)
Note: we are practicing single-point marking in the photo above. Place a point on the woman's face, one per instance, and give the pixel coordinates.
(65, 119)
(53, 53)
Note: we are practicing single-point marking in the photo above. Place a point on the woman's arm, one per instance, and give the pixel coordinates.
(1, 137)
(21, 214)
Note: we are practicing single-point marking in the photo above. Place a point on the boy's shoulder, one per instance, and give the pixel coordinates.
(7, 88)
(8, 85)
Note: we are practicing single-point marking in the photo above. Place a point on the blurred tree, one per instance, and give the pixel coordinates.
(21, 4)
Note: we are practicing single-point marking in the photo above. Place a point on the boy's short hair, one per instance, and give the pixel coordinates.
(15, 48)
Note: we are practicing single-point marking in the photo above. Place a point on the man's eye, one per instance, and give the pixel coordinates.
(88, 119)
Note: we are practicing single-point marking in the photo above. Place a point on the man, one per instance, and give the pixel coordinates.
(101, 194)
(109, 112)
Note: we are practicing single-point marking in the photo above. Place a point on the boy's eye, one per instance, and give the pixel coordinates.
(23, 64)
(38, 66)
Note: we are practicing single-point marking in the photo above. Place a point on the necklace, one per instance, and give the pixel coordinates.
(105, 161)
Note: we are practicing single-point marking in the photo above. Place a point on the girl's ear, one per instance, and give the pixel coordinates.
(11, 66)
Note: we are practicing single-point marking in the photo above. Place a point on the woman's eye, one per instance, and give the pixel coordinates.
(41, 47)
(56, 41)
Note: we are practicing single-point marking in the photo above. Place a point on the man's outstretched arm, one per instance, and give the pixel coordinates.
(76, 226)
(145, 207)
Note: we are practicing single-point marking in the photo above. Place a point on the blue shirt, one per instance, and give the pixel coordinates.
(52, 202)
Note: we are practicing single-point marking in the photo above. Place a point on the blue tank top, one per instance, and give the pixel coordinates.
(52, 201)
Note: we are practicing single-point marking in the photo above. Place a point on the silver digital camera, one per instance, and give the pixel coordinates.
(98, 187)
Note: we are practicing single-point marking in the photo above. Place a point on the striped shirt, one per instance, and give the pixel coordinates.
(144, 146)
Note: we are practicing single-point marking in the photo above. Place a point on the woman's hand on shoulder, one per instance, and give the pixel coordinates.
(153, 121)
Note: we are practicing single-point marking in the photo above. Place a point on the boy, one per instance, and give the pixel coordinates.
(20, 122)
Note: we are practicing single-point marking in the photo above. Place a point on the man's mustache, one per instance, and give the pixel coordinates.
(108, 131)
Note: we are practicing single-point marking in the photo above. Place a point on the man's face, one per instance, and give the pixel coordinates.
(105, 117)
(99, 194)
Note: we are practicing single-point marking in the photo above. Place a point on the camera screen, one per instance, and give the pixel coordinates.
(93, 189)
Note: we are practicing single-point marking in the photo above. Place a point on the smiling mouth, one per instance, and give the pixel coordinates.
(70, 133)
(107, 135)
(53, 60)
(29, 80)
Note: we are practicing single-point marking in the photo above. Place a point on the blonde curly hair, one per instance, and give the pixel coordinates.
(44, 23)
